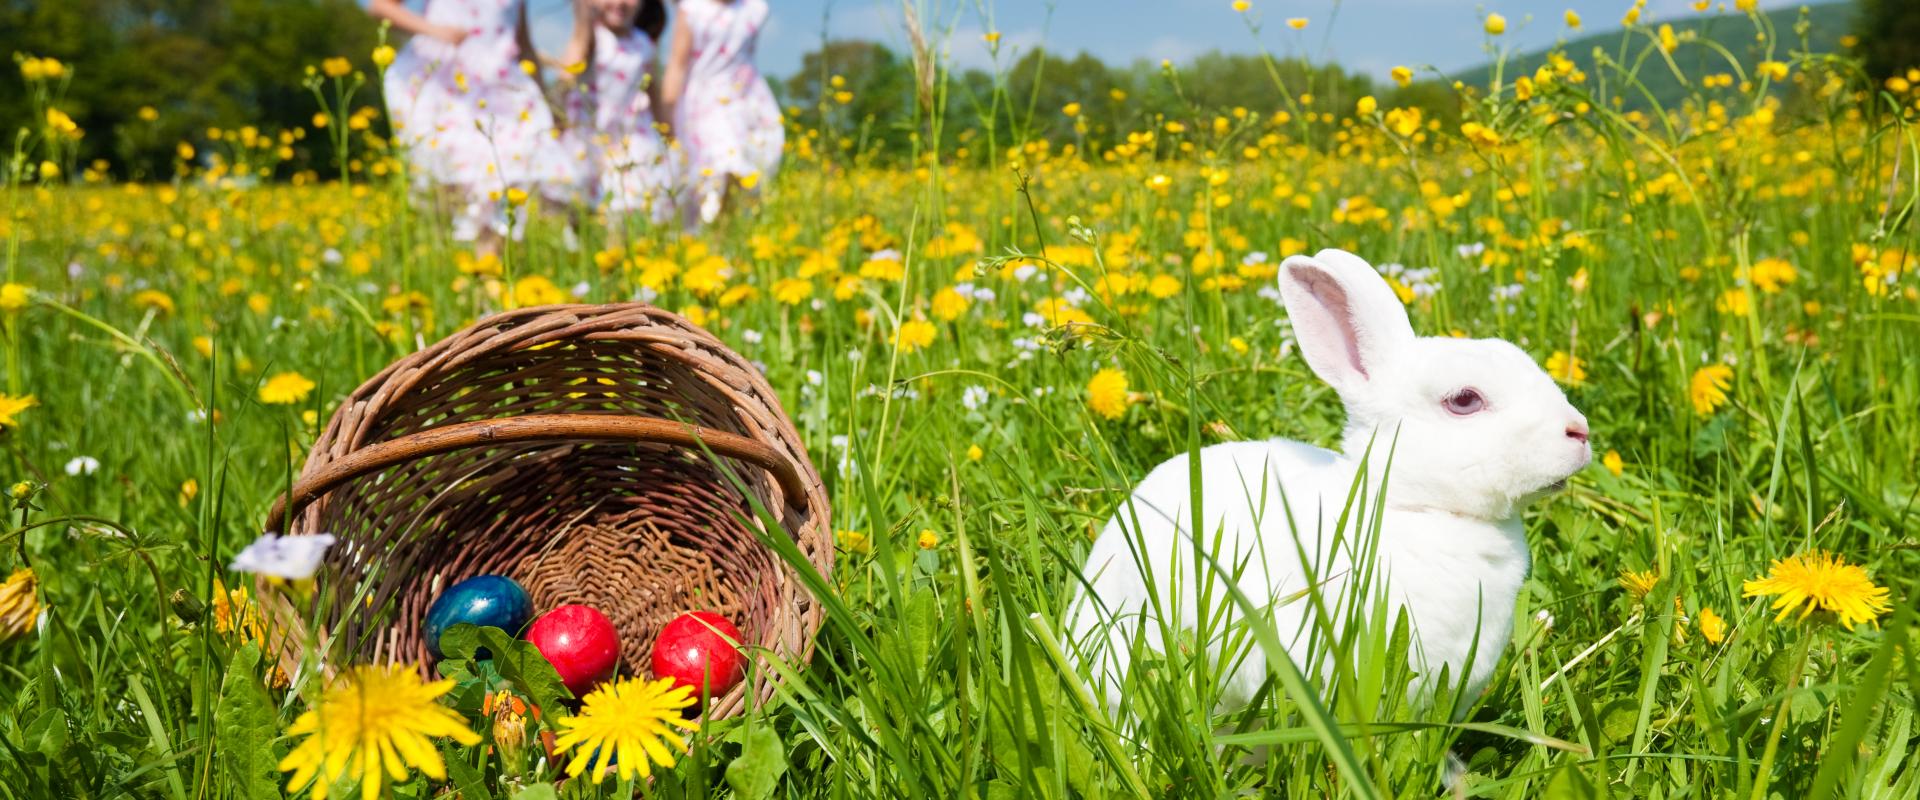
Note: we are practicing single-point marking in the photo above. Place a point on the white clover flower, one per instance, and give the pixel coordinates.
(581, 289)
(290, 557)
(974, 397)
(82, 465)
(1024, 271)
(750, 336)
(1033, 319)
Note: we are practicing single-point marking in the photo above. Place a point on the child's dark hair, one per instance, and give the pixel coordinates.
(651, 19)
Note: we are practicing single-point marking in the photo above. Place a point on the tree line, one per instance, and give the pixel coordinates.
(143, 76)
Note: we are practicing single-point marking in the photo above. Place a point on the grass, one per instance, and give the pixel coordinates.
(969, 471)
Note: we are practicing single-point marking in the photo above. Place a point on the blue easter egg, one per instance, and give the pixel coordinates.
(490, 601)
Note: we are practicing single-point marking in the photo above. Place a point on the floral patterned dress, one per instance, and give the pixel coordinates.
(471, 120)
(611, 128)
(727, 118)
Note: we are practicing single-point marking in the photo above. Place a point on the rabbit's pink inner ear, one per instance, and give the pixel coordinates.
(1324, 324)
(1333, 301)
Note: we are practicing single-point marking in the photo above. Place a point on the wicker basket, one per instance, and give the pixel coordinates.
(568, 448)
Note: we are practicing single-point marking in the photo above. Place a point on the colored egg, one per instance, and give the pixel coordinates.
(699, 649)
(490, 601)
(580, 644)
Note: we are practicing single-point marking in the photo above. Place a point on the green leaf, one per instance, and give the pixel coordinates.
(469, 781)
(519, 662)
(1569, 783)
(460, 641)
(763, 759)
(244, 718)
(538, 791)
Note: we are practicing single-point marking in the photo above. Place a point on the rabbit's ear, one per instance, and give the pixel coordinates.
(1346, 318)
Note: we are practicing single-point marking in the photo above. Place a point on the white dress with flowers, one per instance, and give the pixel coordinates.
(471, 119)
(727, 118)
(611, 128)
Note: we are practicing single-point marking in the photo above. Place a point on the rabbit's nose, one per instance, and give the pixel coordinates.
(1577, 431)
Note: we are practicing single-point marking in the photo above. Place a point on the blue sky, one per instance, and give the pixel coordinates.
(1369, 35)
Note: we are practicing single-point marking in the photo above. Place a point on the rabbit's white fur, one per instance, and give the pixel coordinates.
(1451, 550)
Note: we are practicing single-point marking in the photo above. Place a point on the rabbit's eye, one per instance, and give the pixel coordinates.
(1464, 402)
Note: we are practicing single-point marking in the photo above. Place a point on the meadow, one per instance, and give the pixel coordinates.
(984, 344)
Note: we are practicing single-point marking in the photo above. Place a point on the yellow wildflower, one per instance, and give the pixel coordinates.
(285, 388)
(1107, 393)
(1708, 388)
(1821, 581)
(631, 718)
(375, 724)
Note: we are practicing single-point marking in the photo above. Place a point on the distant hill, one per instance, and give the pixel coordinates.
(1830, 21)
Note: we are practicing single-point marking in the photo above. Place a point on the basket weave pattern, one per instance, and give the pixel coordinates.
(565, 447)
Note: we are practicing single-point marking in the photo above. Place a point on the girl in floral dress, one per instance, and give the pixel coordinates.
(723, 112)
(610, 114)
(472, 119)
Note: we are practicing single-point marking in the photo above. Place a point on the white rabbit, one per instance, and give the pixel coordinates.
(1476, 430)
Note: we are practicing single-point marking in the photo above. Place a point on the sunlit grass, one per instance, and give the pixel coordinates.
(982, 360)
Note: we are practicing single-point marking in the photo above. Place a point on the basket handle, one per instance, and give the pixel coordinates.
(536, 428)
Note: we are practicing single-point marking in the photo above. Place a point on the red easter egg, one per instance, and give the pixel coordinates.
(580, 644)
(692, 653)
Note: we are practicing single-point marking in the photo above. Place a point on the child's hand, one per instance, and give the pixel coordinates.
(449, 34)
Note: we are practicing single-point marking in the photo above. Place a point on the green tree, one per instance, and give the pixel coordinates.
(876, 85)
(199, 64)
(1889, 32)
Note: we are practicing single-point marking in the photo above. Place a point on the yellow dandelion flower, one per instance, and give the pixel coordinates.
(336, 67)
(1712, 626)
(19, 604)
(1771, 274)
(1734, 302)
(1297, 23)
(375, 723)
(153, 300)
(1613, 463)
(974, 453)
(1496, 24)
(1241, 6)
(537, 290)
(1402, 76)
(285, 388)
(949, 304)
(630, 719)
(383, 56)
(1821, 581)
(792, 291)
(1567, 369)
(1107, 393)
(1573, 19)
(853, 541)
(914, 334)
(927, 539)
(1708, 388)
(1638, 584)
(10, 408)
